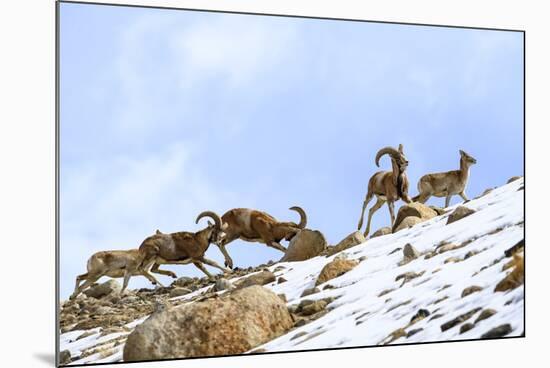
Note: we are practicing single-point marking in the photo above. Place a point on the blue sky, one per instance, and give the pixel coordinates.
(168, 113)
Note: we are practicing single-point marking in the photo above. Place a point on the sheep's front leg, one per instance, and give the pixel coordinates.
(228, 260)
(463, 196)
(277, 246)
(214, 264)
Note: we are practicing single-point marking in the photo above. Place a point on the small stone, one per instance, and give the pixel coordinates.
(466, 327)
(421, 314)
(280, 280)
(178, 291)
(182, 281)
(310, 291)
(410, 252)
(260, 278)
(314, 307)
(335, 268)
(496, 332)
(470, 290)
(459, 213)
(329, 286)
(453, 260)
(381, 232)
(513, 178)
(64, 357)
(301, 322)
(299, 334)
(394, 251)
(458, 320)
(101, 290)
(223, 284)
(413, 332)
(486, 313)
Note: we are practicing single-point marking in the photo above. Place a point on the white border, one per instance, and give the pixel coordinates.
(27, 184)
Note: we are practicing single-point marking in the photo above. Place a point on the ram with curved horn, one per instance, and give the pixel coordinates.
(181, 247)
(387, 186)
(257, 226)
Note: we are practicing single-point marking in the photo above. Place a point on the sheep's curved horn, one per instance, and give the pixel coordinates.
(303, 216)
(387, 150)
(213, 215)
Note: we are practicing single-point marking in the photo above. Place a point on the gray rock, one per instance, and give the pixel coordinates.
(466, 327)
(349, 241)
(496, 332)
(470, 290)
(485, 314)
(260, 278)
(64, 357)
(223, 284)
(459, 213)
(513, 178)
(101, 290)
(381, 232)
(179, 291)
(305, 245)
(310, 291)
(409, 252)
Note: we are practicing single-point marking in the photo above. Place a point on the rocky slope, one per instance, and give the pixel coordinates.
(438, 280)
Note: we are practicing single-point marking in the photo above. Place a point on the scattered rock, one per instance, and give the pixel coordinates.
(310, 291)
(413, 332)
(446, 247)
(496, 332)
(329, 286)
(400, 332)
(381, 232)
(470, 290)
(393, 307)
(299, 334)
(394, 251)
(101, 290)
(64, 357)
(305, 245)
(414, 209)
(223, 284)
(440, 300)
(421, 314)
(453, 260)
(407, 222)
(459, 319)
(384, 292)
(486, 313)
(408, 276)
(281, 279)
(335, 268)
(459, 213)
(183, 281)
(179, 291)
(513, 178)
(436, 316)
(85, 334)
(349, 241)
(315, 307)
(228, 325)
(260, 278)
(410, 252)
(466, 327)
(470, 254)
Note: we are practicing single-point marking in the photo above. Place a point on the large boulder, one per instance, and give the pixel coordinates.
(104, 289)
(407, 222)
(414, 209)
(305, 245)
(349, 241)
(228, 325)
(335, 268)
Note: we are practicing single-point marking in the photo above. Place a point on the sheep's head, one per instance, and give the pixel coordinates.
(397, 155)
(469, 159)
(217, 234)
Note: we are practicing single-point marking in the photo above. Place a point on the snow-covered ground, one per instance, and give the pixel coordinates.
(359, 317)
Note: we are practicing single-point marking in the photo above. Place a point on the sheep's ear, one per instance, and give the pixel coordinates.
(210, 223)
(158, 232)
(462, 153)
(400, 149)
